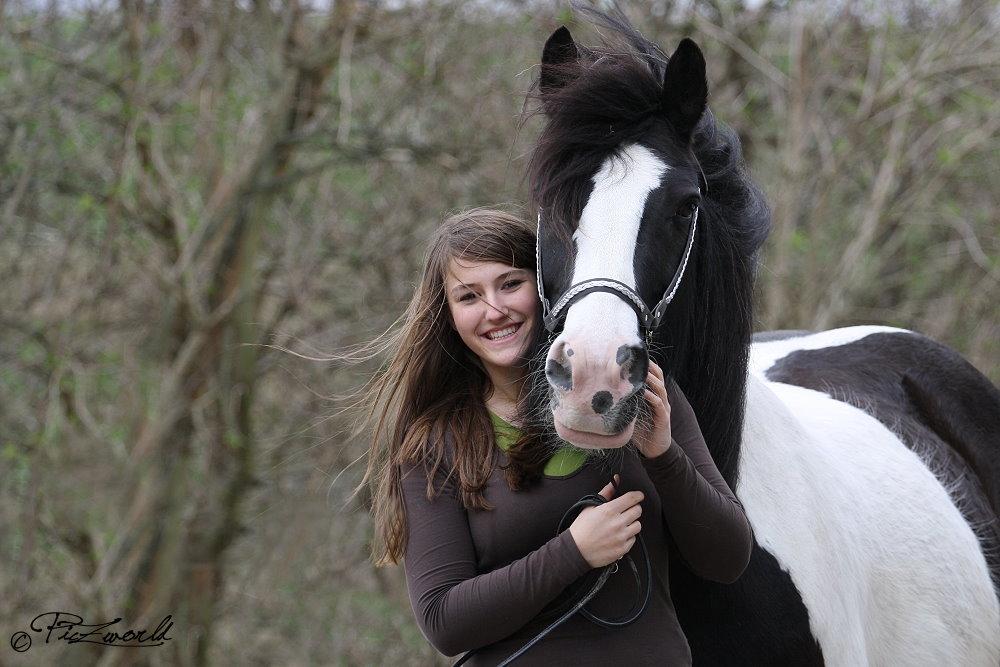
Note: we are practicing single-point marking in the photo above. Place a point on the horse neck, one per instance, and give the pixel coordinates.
(707, 338)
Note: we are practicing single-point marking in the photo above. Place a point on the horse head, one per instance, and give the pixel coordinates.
(618, 191)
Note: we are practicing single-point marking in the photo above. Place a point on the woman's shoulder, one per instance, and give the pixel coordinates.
(680, 407)
(430, 443)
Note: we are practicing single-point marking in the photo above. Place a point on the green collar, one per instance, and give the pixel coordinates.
(565, 461)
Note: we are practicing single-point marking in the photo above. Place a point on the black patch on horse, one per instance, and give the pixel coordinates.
(938, 404)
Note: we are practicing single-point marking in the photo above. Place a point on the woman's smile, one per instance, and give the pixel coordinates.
(498, 335)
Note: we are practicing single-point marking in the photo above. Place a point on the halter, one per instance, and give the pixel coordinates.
(648, 319)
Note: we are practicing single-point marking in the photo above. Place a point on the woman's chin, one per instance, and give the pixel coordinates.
(588, 440)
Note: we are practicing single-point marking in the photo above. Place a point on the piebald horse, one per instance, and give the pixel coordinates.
(867, 458)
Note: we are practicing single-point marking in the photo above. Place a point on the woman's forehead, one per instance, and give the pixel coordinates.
(468, 271)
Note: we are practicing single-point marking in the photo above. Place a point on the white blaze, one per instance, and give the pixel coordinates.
(606, 243)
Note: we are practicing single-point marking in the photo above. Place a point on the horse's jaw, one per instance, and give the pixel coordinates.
(590, 440)
(580, 426)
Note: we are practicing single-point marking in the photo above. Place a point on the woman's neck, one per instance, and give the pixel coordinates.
(504, 394)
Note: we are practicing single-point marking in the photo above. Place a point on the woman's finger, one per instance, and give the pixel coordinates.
(622, 503)
(632, 514)
(656, 402)
(609, 489)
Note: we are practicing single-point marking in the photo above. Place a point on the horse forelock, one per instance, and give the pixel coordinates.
(611, 98)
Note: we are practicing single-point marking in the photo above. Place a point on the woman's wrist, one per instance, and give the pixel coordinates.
(653, 451)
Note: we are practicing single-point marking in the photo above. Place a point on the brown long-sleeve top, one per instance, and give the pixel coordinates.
(479, 579)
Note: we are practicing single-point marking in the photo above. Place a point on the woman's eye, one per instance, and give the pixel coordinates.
(512, 284)
(468, 296)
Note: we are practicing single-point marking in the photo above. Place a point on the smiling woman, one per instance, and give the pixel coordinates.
(493, 308)
(484, 508)
(453, 360)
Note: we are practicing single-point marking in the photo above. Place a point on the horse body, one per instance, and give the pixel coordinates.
(887, 566)
(866, 458)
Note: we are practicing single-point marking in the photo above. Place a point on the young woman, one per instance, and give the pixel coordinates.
(473, 506)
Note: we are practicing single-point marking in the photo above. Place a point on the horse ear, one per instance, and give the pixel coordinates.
(559, 51)
(685, 88)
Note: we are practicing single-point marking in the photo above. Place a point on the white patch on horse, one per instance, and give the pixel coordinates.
(606, 241)
(766, 354)
(818, 479)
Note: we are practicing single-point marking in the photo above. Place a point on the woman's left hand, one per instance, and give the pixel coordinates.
(654, 440)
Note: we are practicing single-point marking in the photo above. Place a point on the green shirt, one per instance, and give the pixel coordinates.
(565, 461)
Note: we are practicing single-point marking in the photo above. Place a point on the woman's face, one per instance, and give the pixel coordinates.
(494, 308)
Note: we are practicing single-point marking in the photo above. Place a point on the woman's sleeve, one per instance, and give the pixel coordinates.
(457, 608)
(701, 512)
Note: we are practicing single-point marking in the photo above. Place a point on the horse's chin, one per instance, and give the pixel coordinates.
(588, 440)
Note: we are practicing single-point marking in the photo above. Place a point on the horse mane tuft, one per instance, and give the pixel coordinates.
(611, 98)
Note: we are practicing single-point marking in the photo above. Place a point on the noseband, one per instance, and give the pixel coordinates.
(649, 319)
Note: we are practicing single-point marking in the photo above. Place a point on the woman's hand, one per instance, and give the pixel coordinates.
(651, 441)
(605, 533)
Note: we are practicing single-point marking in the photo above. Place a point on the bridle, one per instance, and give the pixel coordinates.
(649, 319)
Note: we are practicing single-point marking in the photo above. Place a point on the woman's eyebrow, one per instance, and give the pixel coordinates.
(513, 272)
(500, 278)
(461, 287)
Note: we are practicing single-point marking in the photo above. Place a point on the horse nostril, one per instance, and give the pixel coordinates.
(601, 402)
(634, 360)
(560, 376)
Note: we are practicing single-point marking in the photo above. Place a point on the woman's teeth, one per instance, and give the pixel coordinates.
(502, 333)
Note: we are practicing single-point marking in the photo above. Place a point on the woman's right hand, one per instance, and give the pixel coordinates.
(605, 533)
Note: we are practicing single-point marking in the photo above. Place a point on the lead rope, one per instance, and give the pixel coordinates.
(637, 609)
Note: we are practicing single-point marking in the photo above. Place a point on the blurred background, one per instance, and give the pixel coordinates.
(179, 179)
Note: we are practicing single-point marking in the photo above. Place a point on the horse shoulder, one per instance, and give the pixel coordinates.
(860, 523)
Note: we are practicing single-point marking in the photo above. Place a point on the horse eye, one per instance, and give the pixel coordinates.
(687, 209)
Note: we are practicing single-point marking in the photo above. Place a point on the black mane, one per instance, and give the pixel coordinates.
(611, 99)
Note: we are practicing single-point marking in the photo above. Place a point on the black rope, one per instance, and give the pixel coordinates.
(584, 594)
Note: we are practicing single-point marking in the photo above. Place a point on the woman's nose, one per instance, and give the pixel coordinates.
(496, 310)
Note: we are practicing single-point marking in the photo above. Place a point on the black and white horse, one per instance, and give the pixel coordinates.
(867, 458)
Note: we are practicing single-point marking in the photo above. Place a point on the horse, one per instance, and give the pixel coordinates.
(867, 458)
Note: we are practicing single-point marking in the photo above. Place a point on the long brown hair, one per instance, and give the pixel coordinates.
(433, 386)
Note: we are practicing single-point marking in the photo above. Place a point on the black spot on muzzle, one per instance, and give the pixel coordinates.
(601, 402)
(634, 360)
(559, 376)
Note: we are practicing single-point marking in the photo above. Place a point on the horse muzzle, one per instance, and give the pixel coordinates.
(596, 390)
